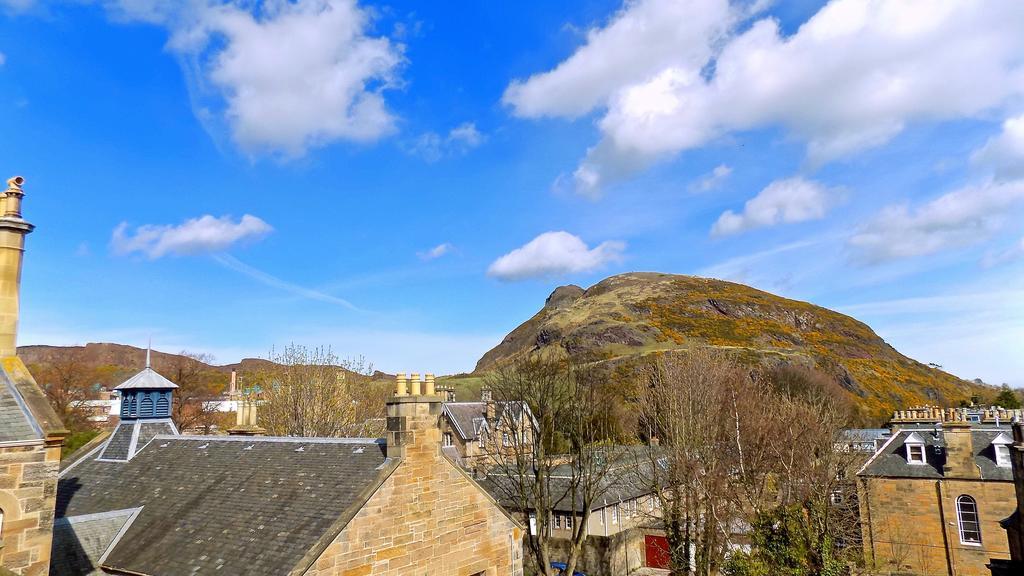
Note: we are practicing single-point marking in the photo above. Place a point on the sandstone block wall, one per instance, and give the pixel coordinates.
(910, 525)
(427, 518)
(28, 488)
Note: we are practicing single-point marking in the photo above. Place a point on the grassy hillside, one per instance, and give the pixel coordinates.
(628, 316)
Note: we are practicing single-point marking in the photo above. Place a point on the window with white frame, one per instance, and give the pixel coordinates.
(915, 449)
(1001, 446)
(568, 521)
(615, 514)
(448, 439)
(556, 521)
(968, 521)
(1003, 455)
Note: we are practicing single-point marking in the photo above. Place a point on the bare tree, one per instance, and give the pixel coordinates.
(564, 461)
(737, 448)
(312, 392)
(67, 382)
(199, 384)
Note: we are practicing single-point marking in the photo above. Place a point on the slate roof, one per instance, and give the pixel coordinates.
(891, 460)
(469, 417)
(92, 535)
(148, 379)
(226, 505)
(130, 436)
(16, 422)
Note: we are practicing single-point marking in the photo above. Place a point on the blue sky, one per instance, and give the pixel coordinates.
(408, 181)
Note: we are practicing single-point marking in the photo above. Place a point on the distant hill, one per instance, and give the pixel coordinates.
(127, 360)
(628, 316)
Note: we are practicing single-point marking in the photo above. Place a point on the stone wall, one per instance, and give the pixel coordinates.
(428, 517)
(617, 555)
(910, 525)
(28, 488)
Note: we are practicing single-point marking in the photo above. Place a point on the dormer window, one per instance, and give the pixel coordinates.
(915, 449)
(1001, 447)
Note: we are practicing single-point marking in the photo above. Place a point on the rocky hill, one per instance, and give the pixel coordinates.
(628, 316)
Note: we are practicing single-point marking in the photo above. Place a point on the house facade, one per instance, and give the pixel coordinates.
(475, 433)
(31, 434)
(932, 498)
(169, 504)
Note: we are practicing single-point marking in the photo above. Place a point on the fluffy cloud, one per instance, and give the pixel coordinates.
(712, 180)
(851, 77)
(436, 252)
(195, 236)
(554, 253)
(461, 139)
(640, 40)
(781, 202)
(286, 76)
(1004, 153)
(953, 220)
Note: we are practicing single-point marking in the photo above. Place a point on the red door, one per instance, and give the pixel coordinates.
(656, 548)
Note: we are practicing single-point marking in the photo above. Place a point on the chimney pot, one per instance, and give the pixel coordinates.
(429, 385)
(400, 385)
(415, 384)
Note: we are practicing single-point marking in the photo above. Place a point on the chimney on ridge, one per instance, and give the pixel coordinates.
(414, 418)
(959, 440)
(13, 230)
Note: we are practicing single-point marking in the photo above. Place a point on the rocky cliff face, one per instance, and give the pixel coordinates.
(632, 315)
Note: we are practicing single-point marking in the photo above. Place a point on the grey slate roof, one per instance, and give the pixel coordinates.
(130, 436)
(225, 505)
(16, 422)
(92, 534)
(148, 379)
(891, 460)
(120, 442)
(469, 417)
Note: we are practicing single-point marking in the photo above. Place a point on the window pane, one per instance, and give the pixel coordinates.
(967, 515)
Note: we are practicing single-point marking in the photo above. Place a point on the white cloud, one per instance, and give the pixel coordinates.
(435, 252)
(781, 202)
(431, 146)
(554, 253)
(851, 77)
(194, 236)
(956, 219)
(713, 180)
(641, 39)
(289, 76)
(1004, 153)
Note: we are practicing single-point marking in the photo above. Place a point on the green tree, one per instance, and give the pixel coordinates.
(1007, 398)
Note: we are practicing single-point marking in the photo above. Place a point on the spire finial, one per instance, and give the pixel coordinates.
(149, 350)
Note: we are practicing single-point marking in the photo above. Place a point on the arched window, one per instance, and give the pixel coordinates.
(163, 407)
(133, 405)
(967, 519)
(146, 409)
(1, 524)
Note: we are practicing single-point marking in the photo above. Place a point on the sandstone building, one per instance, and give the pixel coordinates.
(149, 501)
(31, 434)
(932, 498)
(1014, 524)
(474, 433)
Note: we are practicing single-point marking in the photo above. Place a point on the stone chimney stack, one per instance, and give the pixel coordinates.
(490, 410)
(233, 386)
(414, 418)
(245, 419)
(959, 450)
(13, 230)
